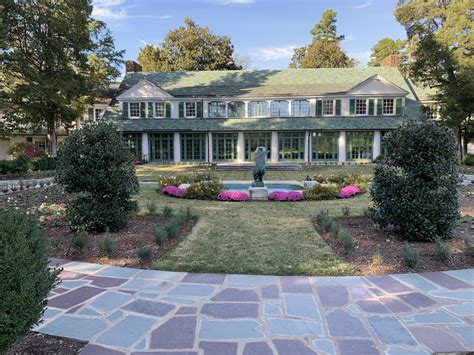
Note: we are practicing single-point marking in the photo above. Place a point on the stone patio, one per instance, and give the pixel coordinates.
(123, 310)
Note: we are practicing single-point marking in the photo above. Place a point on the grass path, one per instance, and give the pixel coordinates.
(268, 238)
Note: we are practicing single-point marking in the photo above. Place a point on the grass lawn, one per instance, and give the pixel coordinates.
(150, 172)
(268, 238)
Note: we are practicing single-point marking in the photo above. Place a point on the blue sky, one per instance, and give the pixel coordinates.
(262, 31)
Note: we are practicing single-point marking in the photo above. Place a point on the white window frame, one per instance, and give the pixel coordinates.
(251, 105)
(333, 103)
(229, 110)
(130, 109)
(307, 114)
(209, 105)
(280, 102)
(393, 107)
(366, 107)
(186, 109)
(99, 111)
(155, 113)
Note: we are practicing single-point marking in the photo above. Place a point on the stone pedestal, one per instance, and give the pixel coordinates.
(258, 193)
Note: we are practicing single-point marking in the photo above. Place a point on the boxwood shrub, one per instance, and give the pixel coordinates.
(321, 192)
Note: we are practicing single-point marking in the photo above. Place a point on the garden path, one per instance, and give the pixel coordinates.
(123, 310)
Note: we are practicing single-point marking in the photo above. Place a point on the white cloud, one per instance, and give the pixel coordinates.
(108, 3)
(115, 10)
(230, 2)
(361, 6)
(104, 13)
(274, 53)
(362, 57)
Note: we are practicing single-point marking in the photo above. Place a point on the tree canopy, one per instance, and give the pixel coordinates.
(190, 47)
(325, 50)
(384, 48)
(53, 59)
(440, 56)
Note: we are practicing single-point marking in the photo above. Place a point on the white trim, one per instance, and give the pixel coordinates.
(394, 112)
(324, 106)
(185, 109)
(164, 109)
(130, 109)
(366, 108)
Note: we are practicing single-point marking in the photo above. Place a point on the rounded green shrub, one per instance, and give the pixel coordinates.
(468, 160)
(321, 192)
(415, 188)
(24, 276)
(97, 165)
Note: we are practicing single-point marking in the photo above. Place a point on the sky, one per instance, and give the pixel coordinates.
(264, 32)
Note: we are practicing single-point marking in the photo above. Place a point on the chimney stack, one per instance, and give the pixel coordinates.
(131, 66)
(390, 61)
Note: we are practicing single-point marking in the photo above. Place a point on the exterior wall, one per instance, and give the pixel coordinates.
(4, 145)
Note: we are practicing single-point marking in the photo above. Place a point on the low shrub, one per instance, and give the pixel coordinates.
(204, 190)
(348, 191)
(286, 196)
(321, 192)
(172, 227)
(469, 243)
(151, 207)
(144, 253)
(106, 246)
(346, 210)
(346, 240)
(25, 280)
(410, 256)
(79, 240)
(233, 196)
(189, 178)
(167, 211)
(173, 191)
(161, 236)
(188, 213)
(468, 160)
(442, 251)
(377, 259)
(341, 180)
(43, 164)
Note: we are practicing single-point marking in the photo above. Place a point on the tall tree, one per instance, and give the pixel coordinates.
(189, 47)
(55, 56)
(325, 50)
(384, 48)
(440, 56)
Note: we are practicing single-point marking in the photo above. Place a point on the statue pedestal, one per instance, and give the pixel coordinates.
(258, 193)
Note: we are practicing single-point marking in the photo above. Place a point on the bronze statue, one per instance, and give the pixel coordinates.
(260, 166)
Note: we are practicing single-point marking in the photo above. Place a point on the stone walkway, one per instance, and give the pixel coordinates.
(123, 310)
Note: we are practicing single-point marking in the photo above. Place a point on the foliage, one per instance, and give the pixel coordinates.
(346, 210)
(161, 236)
(468, 160)
(28, 149)
(442, 250)
(286, 196)
(167, 211)
(151, 207)
(410, 256)
(233, 196)
(440, 45)
(79, 240)
(144, 253)
(19, 166)
(106, 246)
(43, 164)
(384, 48)
(189, 47)
(188, 178)
(172, 227)
(96, 164)
(346, 240)
(415, 190)
(173, 191)
(348, 191)
(54, 59)
(321, 192)
(25, 280)
(343, 179)
(204, 190)
(377, 259)
(325, 50)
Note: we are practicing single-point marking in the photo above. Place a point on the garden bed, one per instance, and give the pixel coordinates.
(388, 244)
(38, 343)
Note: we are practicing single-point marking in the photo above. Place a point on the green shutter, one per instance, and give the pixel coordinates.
(168, 109)
(399, 107)
(379, 107)
(181, 109)
(352, 108)
(371, 107)
(90, 112)
(150, 110)
(319, 107)
(125, 110)
(199, 109)
(338, 107)
(142, 109)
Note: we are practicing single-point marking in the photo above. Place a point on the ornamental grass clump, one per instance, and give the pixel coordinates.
(151, 207)
(415, 189)
(161, 236)
(410, 256)
(442, 251)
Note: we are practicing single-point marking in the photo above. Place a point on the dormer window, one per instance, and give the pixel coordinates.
(388, 107)
(190, 109)
(134, 110)
(300, 108)
(328, 107)
(216, 109)
(258, 108)
(279, 108)
(160, 110)
(361, 107)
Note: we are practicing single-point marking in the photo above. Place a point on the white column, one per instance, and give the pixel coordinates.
(342, 146)
(377, 147)
(209, 150)
(312, 107)
(306, 147)
(274, 153)
(145, 147)
(240, 147)
(177, 147)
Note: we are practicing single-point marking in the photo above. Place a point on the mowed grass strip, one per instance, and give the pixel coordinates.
(267, 238)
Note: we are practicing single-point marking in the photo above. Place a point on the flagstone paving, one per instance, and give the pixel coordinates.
(130, 311)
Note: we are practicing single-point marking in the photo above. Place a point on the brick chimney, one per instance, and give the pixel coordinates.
(131, 66)
(390, 61)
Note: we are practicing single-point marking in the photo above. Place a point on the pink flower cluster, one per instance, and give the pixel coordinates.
(348, 191)
(173, 191)
(285, 196)
(233, 196)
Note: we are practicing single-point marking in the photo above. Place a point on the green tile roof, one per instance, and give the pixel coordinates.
(254, 83)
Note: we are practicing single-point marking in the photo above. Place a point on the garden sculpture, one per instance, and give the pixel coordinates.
(260, 166)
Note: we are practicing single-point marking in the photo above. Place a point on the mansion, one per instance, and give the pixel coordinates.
(299, 115)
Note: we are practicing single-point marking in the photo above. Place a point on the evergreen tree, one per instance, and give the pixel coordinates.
(384, 48)
(53, 58)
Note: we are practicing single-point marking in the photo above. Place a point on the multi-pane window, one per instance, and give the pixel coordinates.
(388, 107)
(236, 109)
(361, 107)
(325, 146)
(431, 112)
(193, 147)
(255, 140)
(328, 107)
(216, 109)
(258, 108)
(40, 143)
(134, 109)
(359, 145)
(300, 108)
(134, 142)
(190, 109)
(97, 113)
(224, 146)
(161, 147)
(291, 146)
(279, 108)
(160, 109)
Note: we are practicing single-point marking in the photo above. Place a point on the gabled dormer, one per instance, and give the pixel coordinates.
(377, 86)
(144, 90)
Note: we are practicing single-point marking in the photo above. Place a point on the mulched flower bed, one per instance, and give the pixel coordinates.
(37, 343)
(388, 243)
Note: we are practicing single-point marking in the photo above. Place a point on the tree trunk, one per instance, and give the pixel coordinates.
(52, 140)
(460, 142)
